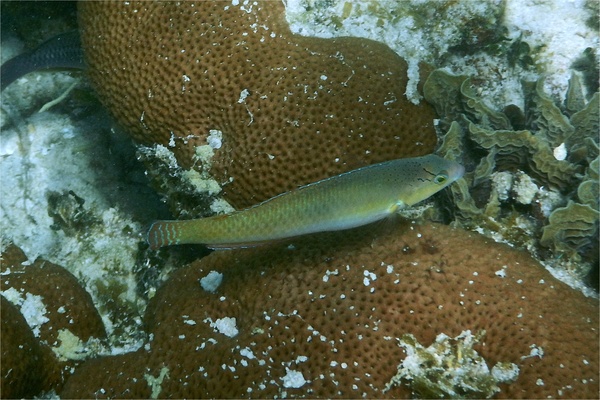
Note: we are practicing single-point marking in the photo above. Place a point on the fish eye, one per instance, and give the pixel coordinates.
(441, 178)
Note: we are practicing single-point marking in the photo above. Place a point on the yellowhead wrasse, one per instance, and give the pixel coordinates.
(344, 201)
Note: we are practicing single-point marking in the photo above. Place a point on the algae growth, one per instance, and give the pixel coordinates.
(450, 368)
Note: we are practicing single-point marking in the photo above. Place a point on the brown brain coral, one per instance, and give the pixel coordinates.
(285, 110)
(22, 356)
(320, 319)
(61, 318)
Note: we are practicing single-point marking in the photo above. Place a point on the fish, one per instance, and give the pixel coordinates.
(63, 51)
(344, 201)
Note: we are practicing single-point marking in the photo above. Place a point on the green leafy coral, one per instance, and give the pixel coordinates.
(532, 175)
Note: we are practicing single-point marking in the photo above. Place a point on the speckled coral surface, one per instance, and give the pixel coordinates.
(22, 356)
(291, 110)
(38, 355)
(322, 318)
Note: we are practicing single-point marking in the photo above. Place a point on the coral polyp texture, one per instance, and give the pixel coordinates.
(277, 110)
(335, 315)
(47, 321)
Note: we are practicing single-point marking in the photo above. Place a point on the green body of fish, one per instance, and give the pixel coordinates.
(344, 201)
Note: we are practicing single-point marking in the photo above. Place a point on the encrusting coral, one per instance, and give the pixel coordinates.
(47, 317)
(275, 110)
(322, 318)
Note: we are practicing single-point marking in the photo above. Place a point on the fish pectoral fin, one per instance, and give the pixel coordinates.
(397, 206)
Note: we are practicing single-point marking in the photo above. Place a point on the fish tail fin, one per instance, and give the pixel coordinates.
(163, 233)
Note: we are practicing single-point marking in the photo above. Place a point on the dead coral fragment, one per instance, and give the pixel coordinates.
(190, 193)
(68, 212)
(450, 368)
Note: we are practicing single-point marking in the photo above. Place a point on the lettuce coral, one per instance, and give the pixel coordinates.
(546, 199)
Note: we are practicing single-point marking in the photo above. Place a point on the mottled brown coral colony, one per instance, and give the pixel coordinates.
(291, 110)
(40, 359)
(333, 313)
